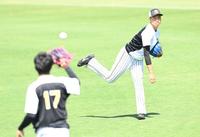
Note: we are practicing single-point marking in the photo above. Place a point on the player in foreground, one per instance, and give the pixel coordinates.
(142, 45)
(46, 97)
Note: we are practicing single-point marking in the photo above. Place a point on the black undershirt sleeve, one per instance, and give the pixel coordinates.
(147, 55)
(28, 119)
(71, 73)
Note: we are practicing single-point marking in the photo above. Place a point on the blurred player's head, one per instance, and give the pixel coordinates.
(43, 63)
(155, 17)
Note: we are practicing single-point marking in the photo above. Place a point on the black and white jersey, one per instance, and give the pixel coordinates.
(46, 97)
(145, 37)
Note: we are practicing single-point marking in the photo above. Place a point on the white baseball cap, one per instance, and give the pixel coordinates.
(155, 12)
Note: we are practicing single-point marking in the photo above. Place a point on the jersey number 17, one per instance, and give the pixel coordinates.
(47, 94)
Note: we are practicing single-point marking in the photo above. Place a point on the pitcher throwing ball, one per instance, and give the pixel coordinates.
(131, 56)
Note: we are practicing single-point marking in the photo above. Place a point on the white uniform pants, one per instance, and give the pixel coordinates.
(52, 132)
(123, 62)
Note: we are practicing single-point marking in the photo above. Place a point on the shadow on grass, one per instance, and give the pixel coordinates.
(148, 115)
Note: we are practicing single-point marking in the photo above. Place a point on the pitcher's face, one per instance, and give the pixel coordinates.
(155, 21)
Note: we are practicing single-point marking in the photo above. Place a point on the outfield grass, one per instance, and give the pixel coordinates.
(176, 4)
(103, 110)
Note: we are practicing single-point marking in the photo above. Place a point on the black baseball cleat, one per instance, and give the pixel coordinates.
(84, 61)
(141, 116)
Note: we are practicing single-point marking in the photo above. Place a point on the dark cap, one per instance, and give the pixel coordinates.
(154, 12)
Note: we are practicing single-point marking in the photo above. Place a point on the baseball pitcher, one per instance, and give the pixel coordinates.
(131, 56)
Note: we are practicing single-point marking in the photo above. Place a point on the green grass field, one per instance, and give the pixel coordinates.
(103, 27)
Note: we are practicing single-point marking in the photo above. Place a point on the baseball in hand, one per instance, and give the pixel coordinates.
(62, 35)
